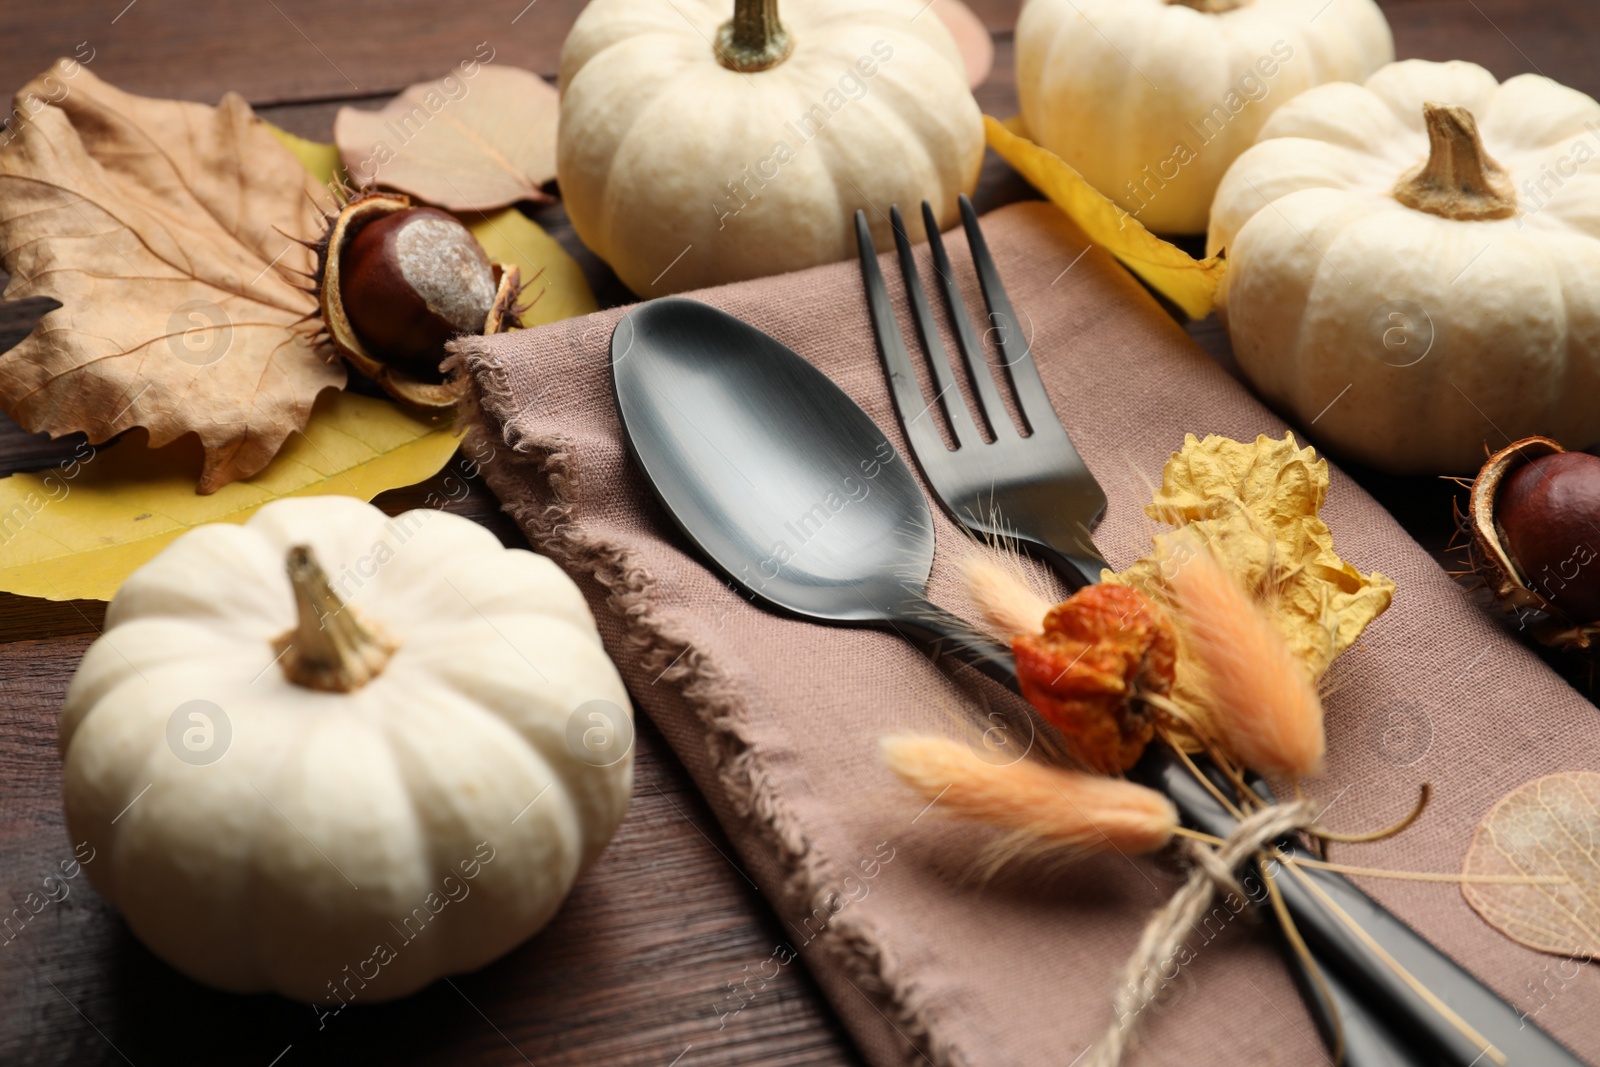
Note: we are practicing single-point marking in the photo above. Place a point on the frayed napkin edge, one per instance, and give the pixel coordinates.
(516, 475)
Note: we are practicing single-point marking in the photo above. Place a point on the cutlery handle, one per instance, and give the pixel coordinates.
(1078, 568)
(942, 633)
(1368, 1040)
(1406, 1009)
(1372, 1002)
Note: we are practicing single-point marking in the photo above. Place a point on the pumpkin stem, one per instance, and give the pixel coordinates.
(330, 648)
(1459, 180)
(753, 39)
(1209, 7)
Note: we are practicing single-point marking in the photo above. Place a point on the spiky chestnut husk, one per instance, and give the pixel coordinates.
(402, 371)
(1508, 514)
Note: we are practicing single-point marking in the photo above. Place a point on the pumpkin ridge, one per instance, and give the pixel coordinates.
(845, 195)
(1165, 83)
(641, 120)
(1396, 85)
(502, 707)
(412, 756)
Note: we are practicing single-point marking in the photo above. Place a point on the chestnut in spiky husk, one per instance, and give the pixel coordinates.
(396, 281)
(1535, 525)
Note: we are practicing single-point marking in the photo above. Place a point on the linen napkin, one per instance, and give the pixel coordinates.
(778, 720)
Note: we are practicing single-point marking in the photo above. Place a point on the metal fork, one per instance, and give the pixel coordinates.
(1034, 490)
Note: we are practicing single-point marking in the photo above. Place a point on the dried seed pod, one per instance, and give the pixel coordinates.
(1100, 650)
(397, 281)
(1534, 518)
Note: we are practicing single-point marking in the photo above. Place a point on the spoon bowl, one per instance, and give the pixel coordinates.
(778, 477)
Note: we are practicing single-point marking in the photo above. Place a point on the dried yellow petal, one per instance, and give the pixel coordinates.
(1256, 505)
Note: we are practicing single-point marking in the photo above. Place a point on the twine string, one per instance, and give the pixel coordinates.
(1165, 932)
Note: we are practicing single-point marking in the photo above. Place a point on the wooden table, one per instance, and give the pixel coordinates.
(642, 964)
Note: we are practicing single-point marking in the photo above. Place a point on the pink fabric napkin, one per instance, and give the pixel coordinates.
(778, 720)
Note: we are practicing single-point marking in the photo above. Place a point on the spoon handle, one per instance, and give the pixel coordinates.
(943, 633)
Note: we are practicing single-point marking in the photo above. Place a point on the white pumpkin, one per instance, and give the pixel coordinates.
(681, 171)
(1150, 100)
(1410, 292)
(335, 802)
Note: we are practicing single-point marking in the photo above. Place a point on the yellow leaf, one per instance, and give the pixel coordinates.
(1255, 505)
(1549, 827)
(1188, 282)
(322, 160)
(560, 291)
(78, 529)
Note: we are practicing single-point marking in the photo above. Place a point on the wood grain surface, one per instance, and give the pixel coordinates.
(650, 961)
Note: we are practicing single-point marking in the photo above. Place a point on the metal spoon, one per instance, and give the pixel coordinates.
(780, 478)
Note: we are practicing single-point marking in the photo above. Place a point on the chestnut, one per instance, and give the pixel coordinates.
(1535, 525)
(396, 281)
(411, 281)
(1549, 512)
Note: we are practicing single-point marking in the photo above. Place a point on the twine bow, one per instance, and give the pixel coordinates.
(1164, 934)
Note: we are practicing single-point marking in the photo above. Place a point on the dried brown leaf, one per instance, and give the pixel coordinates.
(467, 142)
(1548, 827)
(156, 224)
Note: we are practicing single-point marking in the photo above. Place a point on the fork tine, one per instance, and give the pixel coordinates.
(921, 433)
(946, 394)
(993, 408)
(1015, 352)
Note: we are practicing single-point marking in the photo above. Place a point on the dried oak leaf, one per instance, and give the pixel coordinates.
(156, 224)
(1548, 827)
(464, 143)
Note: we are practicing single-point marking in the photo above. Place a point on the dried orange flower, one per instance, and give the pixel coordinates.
(1100, 650)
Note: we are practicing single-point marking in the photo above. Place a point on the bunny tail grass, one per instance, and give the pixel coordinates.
(1261, 698)
(1067, 810)
(1004, 600)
